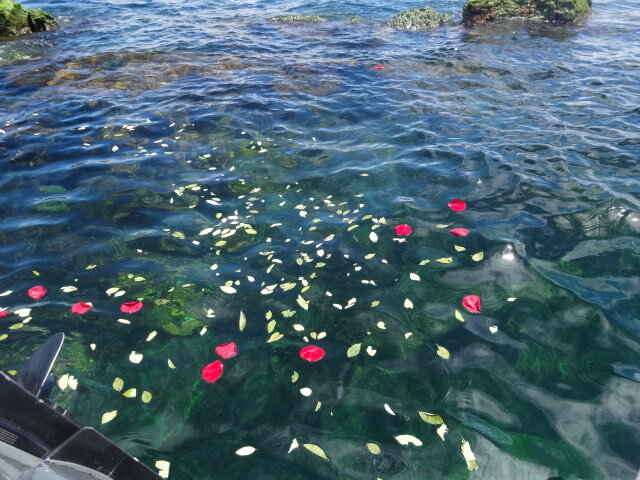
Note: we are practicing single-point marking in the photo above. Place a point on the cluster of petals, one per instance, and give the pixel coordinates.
(458, 205)
(472, 303)
(212, 372)
(312, 353)
(37, 292)
(84, 307)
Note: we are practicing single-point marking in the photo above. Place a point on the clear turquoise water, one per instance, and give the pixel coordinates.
(536, 127)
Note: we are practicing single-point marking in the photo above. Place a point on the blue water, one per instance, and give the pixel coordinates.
(137, 125)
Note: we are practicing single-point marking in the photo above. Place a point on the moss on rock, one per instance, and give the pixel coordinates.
(560, 11)
(13, 18)
(423, 18)
(17, 20)
(39, 20)
(297, 19)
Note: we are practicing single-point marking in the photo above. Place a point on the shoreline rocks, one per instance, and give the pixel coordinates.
(556, 11)
(297, 19)
(474, 12)
(17, 20)
(423, 18)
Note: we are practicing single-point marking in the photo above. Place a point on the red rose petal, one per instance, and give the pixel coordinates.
(213, 371)
(379, 67)
(457, 205)
(403, 229)
(312, 353)
(4, 313)
(130, 307)
(460, 232)
(227, 350)
(81, 307)
(472, 303)
(37, 292)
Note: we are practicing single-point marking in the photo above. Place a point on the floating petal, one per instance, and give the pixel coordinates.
(403, 229)
(108, 416)
(431, 418)
(213, 371)
(37, 292)
(130, 307)
(408, 439)
(443, 352)
(315, 449)
(135, 357)
(354, 350)
(244, 451)
(81, 307)
(374, 448)
(472, 303)
(312, 353)
(457, 205)
(227, 350)
(468, 455)
(459, 232)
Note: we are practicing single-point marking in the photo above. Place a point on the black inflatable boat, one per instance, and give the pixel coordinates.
(40, 441)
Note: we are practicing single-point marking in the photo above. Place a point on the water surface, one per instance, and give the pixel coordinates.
(168, 148)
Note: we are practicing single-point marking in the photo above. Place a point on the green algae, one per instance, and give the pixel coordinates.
(297, 19)
(17, 20)
(288, 162)
(13, 18)
(39, 20)
(424, 18)
(561, 11)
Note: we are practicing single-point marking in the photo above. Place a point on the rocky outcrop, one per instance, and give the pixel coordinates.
(423, 18)
(297, 19)
(559, 11)
(16, 20)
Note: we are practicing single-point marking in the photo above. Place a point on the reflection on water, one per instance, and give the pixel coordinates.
(166, 150)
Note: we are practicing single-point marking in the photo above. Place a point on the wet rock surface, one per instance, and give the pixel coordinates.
(17, 20)
(424, 18)
(560, 11)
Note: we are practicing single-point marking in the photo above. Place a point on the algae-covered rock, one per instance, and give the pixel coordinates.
(297, 19)
(560, 11)
(16, 20)
(423, 18)
(39, 20)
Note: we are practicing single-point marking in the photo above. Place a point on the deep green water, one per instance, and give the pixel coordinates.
(168, 149)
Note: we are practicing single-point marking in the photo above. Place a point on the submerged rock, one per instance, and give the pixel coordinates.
(297, 19)
(423, 18)
(560, 11)
(16, 20)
